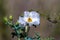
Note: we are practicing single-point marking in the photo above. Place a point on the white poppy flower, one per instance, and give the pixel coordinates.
(30, 18)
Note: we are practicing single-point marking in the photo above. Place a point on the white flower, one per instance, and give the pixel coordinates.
(31, 18)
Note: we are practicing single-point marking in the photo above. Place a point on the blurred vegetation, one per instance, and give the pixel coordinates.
(2, 25)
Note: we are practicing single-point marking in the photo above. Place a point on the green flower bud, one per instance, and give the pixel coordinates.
(5, 19)
(10, 17)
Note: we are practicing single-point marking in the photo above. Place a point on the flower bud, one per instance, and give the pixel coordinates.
(5, 19)
(11, 17)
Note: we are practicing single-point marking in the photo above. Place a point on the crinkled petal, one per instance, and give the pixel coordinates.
(34, 14)
(21, 21)
(36, 23)
(26, 13)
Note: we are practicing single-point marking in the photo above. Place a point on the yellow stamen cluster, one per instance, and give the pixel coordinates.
(29, 19)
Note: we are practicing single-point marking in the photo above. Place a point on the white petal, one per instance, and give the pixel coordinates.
(34, 14)
(36, 23)
(21, 21)
(26, 13)
(35, 19)
(25, 19)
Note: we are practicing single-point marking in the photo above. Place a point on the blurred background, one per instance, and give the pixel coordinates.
(17, 7)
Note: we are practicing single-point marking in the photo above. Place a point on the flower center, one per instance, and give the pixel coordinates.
(29, 19)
